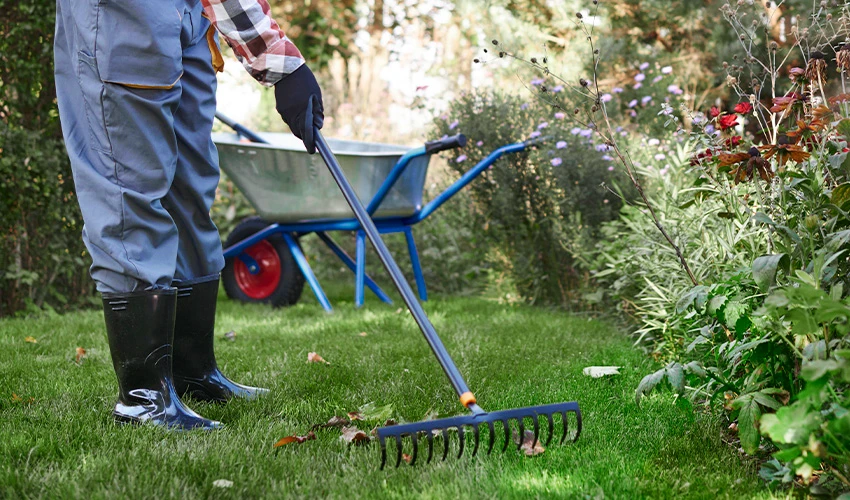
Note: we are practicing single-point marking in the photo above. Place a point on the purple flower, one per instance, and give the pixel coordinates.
(640, 77)
(617, 90)
(709, 129)
(558, 88)
(611, 168)
(643, 66)
(657, 79)
(653, 142)
(560, 115)
(667, 70)
(561, 144)
(605, 97)
(699, 118)
(633, 103)
(586, 132)
(542, 125)
(660, 156)
(602, 147)
(674, 89)
(453, 125)
(537, 81)
(575, 131)
(632, 113)
(534, 134)
(461, 159)
(556, 161)
(624, 133)
(645, 99)
(637, 86)
(479, 143)
(524, 106)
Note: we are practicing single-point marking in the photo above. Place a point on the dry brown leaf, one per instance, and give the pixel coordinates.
(295, 439)
(407, 458)
(363, 334)
(80, 354)
(16, 398)
(529, 447)
(353, 415)
(312, 357)
(338, 422)
(31, 340)
(354, 435)
(231, 336)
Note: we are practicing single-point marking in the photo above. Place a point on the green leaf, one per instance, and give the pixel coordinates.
(716, 302)
(843, 128)
(765, 400)
(791, 424)
(648, 383)
(696, 296)
(841, 194)
(733, 311)
(676, 377)
(747, 417)
(766, 267)
(814, 370)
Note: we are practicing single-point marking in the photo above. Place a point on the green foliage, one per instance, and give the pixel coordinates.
(540, 206)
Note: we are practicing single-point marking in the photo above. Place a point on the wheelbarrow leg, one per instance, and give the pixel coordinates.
(417, 267)
(307, 271)
(360, 273)
(336, 249)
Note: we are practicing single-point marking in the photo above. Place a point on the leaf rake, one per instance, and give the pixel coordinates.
(478, 417)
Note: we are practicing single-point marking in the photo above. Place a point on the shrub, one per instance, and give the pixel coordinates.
(540, 206)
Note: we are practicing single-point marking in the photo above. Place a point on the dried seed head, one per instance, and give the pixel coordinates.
(534, 60)
(578, 15)
(495, 42)
(501, 54)
(576, 111)
(774, 46)
(476, 60)
(583, 82)
(842, 57)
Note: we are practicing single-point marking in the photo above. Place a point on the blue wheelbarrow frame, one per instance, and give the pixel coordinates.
(290, 232)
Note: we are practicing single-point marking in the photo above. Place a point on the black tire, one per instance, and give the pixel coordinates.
(290, 284)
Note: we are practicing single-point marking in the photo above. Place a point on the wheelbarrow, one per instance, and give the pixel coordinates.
(295, 195)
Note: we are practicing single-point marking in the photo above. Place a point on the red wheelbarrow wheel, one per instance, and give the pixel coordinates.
(278, 282)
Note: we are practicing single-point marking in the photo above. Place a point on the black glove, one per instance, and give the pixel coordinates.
(298, 99)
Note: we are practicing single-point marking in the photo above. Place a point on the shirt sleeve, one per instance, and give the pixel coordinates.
(255, 37)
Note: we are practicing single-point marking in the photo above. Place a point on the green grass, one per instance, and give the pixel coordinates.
(64, 443)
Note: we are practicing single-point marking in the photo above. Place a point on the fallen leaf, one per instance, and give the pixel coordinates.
(363, 334)
(80, 354)
(231, 336)
(370, 411)
(601, 371)
(31, 340)
(399, 310)
(222, 483)
(335, 421)
(16, 398)
(295, 439)
(407, 458)
(312, 357)
(354, 435)
(529, 446)
(388, 423)
(353, 415)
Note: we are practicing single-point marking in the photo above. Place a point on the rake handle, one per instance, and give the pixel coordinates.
(392, 268)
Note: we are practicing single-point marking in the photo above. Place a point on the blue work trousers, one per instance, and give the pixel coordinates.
(136, 92)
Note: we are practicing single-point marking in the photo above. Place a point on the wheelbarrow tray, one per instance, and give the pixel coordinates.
(287, 185)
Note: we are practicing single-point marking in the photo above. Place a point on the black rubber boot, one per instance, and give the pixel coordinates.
(195, 370)
(140, 328)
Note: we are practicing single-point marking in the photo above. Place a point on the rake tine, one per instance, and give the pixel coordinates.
(521, 432)
(536, 430)
(475, 433)
(566, 428)
(383, 452)
(445, 444)
(430, 446)
(578, 426)
(460, 436)
(398, 447)
(551, 428)
(415, 448)
(492, 437)
(507, 435)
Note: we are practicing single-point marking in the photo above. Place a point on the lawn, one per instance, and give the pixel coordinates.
(58, 440)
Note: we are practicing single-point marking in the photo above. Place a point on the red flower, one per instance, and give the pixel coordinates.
(742, 108)
(707, 155)
(714, 112)
(733, 141)
(727, 121)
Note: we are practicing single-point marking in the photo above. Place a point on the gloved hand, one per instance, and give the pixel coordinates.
(298, 99)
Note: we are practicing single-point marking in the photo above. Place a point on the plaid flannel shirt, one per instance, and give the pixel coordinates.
(255, 37)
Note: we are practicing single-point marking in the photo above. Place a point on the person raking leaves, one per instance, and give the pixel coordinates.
(136, 82)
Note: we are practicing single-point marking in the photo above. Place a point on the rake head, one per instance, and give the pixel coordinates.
(495, 423)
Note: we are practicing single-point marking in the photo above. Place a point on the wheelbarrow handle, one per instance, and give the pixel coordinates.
(240, 129)
(455, 141)
(397, 277)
